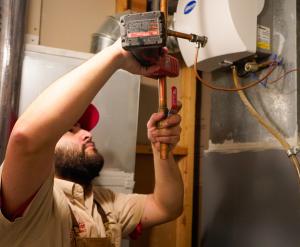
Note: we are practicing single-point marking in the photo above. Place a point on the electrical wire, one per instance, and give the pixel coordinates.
(284, 75)
(264, 123)
(273, 65)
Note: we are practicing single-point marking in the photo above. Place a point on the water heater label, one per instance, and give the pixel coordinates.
(263, 37)
(189, 7)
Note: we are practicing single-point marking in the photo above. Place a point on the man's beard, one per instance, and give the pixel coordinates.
(76, 165)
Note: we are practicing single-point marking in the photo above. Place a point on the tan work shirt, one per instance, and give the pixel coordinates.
(47, 220)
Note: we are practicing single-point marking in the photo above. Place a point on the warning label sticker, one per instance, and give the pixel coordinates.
(263, 37)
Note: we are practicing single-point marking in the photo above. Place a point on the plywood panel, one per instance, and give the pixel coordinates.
(69, 24)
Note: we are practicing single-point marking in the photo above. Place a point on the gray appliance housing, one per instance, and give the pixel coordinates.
(250, 193)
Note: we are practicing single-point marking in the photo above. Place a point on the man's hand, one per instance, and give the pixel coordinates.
(129, 63)
(170, 131)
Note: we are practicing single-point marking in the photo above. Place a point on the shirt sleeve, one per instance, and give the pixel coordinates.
(125, 210)
(130, 209)
(137, 232)
(38, 207)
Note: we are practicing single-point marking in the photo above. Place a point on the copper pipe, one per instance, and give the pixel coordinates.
(179, 35)
(191, 37)
(162, 87)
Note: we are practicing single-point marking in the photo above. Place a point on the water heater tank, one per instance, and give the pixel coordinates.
(230, 26)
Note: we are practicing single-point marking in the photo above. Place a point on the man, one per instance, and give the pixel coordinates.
(38, 210)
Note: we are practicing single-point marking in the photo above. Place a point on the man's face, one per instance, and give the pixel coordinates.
(76, 157)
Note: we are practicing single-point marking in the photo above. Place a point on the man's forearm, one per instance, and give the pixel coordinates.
(168, 190)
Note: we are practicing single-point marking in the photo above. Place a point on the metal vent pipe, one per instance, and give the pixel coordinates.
(12, 25)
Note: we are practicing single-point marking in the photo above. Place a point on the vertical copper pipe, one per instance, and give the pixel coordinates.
(162, 87)
(12, 25)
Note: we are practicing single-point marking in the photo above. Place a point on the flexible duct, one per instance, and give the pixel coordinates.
(12, 23)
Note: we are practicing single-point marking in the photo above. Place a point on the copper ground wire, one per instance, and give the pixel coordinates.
(283, 75)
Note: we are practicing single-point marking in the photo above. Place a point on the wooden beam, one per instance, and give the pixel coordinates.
(33, 22)
(134, 5)
(122, 5)
(138, 5)
(188, 98)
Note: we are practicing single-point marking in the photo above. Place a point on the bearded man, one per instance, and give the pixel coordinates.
(47, 198)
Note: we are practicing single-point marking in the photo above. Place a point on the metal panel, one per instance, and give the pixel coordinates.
(251, 199)
(231, 122)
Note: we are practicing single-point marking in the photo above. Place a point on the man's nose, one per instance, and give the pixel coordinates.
(85, 135)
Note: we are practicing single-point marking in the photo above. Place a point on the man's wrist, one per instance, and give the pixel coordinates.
(119, 56)
(156, 152)
(114, 56)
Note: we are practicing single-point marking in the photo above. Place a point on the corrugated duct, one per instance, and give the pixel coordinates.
(12, 23)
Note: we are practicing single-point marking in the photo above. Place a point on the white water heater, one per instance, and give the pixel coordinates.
(229, 25)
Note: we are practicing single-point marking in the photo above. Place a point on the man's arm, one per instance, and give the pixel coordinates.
(166, 202)
(29, 156)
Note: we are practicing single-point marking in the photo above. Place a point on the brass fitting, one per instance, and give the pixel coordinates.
(251, 67)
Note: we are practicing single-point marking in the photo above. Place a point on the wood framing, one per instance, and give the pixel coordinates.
(188, 98)
(122, 5)
(135, 5)
(33, 22)
(138, 5)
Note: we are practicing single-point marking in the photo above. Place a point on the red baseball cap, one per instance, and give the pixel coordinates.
(89, 118)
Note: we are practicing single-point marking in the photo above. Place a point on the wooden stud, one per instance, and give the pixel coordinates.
(122, 5)
(188, 98)
(138, 5)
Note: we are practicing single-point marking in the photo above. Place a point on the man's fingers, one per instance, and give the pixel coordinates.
(168, 139)
(167, 132)
(175, 110)
(155, 117)
(171, 121)
(149, 71)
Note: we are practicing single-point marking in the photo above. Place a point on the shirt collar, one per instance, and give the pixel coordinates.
(71, 189)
